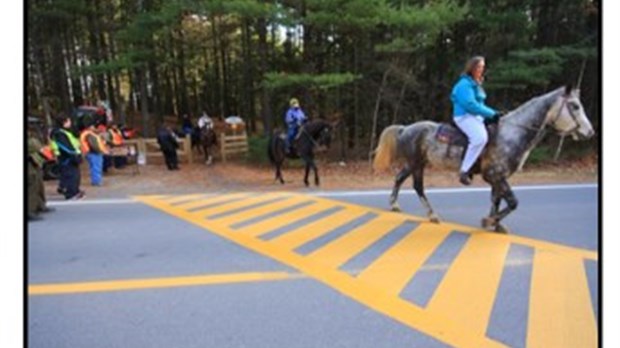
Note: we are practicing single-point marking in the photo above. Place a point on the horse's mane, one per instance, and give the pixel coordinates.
(316, 125)
(526, 107)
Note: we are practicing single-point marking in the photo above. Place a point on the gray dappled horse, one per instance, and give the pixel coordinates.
(517, 133)
(312, 134)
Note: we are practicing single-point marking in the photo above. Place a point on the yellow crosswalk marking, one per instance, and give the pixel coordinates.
(302, 235)
(394, 269)
(348, 245)
(262, 210)
(176, 199)
(211, 200)
(560, 313)
(227, 207)
(468, 290)
(268, 225)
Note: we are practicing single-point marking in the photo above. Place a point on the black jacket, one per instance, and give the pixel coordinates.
(166, 140)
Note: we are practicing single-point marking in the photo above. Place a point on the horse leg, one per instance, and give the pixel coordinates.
(400, 178)
(208, 158)
(316, 173)
(307, 172)
(279, 172)
(501, 190)
(418, 186)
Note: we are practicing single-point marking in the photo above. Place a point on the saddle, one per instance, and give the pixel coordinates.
(450, 134)
(292, 148)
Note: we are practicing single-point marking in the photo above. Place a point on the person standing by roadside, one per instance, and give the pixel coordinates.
(69, 157)
(36, 191)
(94, 148)
(168, 143)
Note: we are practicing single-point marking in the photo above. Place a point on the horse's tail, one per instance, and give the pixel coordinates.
(271, 148)
(386, 150)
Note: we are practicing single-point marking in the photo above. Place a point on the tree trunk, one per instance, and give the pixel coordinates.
(219, 95)
(182, 78)
(376, 114)
(262, 66)
(224, 81)
(144, 102)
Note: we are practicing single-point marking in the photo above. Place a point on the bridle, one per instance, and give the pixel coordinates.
(314, 142)
(540, 129)
(572, 115)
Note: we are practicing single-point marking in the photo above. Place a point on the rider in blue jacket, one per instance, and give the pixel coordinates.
(469, 112)
(294, 118)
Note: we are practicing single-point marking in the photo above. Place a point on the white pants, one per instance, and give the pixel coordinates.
(473, 127)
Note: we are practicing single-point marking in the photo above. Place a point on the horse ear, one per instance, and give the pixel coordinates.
(568, 89)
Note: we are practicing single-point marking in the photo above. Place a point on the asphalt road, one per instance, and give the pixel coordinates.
(83, 258)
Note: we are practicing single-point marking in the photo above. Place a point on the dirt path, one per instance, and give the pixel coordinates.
(155, 179)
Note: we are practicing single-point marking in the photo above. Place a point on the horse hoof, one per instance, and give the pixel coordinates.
(434, 218)
(396, 208)
(499, 228)
(488, 222)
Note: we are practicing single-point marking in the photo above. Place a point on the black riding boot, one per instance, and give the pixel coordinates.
(465, 178)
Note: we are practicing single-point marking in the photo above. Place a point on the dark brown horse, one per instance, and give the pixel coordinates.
(311, 135)
(517, 134)
(204, 139)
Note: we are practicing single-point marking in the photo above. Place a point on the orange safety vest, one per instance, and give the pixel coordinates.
(117, 137)
(84, 142)
(47, 152)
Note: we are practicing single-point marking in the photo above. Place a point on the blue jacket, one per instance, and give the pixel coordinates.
(294, 117)
(468, 98)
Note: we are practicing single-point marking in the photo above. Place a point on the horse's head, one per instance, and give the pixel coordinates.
(321, 131)
(325, 137)
(568, 117)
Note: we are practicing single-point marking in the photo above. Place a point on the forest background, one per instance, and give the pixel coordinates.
(366, 63)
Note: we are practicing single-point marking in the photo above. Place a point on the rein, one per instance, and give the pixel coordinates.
(314, 143)
(541, 129)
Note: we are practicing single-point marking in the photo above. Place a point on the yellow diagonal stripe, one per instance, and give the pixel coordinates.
(210, 200)
(227, 207)
(268, 225)
(393, 270)
(348, 245)
(150, 283)
(304, 234)
(467, 291)
(176, 199)
(407, 313)
(560, 312)
(262, 210)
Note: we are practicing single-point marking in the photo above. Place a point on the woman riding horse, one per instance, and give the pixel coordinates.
(470, 112)
(518, 132)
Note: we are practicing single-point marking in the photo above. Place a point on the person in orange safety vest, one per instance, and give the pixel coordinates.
(94, 147)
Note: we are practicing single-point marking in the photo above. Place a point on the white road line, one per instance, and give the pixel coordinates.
(355, 193)
(94, 201)
(452, 190)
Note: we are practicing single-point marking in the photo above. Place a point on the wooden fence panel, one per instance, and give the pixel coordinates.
(233, 144)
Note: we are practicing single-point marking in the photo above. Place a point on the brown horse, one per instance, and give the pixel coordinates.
(518, 132)
(204, 138)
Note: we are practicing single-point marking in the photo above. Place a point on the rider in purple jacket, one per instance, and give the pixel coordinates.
(294, 118)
